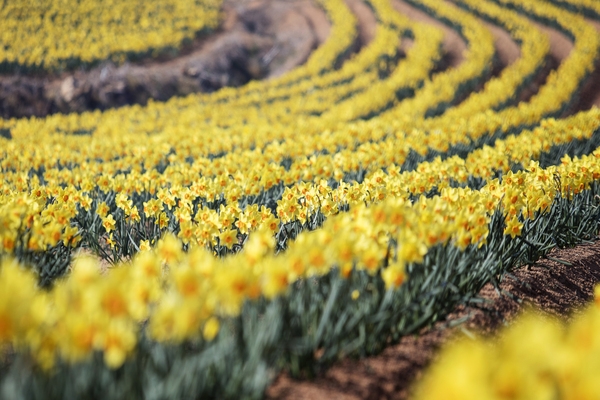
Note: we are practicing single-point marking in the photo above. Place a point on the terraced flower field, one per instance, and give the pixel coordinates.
(211, 241)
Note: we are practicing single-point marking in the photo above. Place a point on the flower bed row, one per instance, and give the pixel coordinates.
(42, 35)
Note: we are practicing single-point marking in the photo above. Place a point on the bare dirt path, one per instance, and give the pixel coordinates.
(367, 21)
(590, 92)
(507, 49)
(560, 48)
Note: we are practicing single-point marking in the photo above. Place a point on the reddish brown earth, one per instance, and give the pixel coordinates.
(366, 21)
(590, 93)
(454, 46)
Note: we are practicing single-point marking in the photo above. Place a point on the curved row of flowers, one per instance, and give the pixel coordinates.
(44, 35)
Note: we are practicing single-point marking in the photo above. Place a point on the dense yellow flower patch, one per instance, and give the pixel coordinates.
(50, 34)
(47, 222)
(200, 287)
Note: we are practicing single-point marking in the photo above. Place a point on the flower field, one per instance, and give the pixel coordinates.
(45, 34)
(195, 248)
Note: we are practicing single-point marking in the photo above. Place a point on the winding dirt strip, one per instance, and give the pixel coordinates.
(366, 20)
(507, 49)
(590, 93)
(560, 48)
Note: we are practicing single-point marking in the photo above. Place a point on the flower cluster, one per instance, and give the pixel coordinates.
(183, 295)
(57, 34)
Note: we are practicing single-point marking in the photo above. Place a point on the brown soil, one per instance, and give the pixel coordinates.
(366, 20)
(590, 92)
(453, 47)
(508, 51)
(560, 48)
